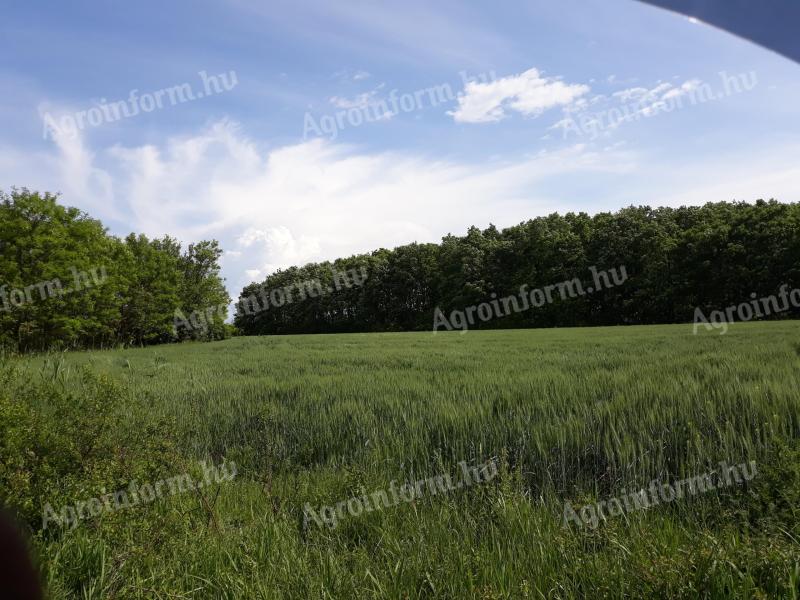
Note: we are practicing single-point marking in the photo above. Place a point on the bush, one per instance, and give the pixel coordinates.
(59, 444)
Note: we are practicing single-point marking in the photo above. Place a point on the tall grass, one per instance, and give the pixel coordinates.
(574, 414)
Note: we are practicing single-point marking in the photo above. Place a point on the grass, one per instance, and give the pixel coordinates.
(568, 414)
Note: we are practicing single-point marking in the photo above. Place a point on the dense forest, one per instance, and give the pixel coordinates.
(66, 283)
(676, 260)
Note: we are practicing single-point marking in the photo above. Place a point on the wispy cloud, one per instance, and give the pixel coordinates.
(309, 201)
(414, 32)
(653, 99)
(358, 101)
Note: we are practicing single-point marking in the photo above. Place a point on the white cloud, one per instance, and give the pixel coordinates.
(651, 101)
(281, 246)
(685, 88)
(298, 203)
(528, 93)
(320, 200)
(638, 100)
(633, 93)
(74, 170)
(373, 98)
(357, 101)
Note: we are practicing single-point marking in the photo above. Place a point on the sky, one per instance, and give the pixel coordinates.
(310, 130)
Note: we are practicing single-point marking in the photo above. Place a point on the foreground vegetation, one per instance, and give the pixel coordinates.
(569, 414)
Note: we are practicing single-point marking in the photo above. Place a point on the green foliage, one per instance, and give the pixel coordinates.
(60, 440)
(772, 502)
(677, 259)
(44, 242)
(83, 288)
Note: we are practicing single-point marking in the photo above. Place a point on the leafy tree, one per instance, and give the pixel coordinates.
(64, 282)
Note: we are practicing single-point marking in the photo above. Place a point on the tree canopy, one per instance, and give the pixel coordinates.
(677, 260)
(67, 283)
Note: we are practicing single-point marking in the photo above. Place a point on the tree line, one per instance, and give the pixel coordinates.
(676, 260)
(66, 283)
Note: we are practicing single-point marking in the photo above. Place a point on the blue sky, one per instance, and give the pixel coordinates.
(573, 105)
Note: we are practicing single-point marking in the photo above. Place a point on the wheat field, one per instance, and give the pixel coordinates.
(566, 415)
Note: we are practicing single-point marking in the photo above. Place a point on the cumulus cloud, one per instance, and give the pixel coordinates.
(527, 93)
(281, 246)
(318, 200)
(309, 201)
